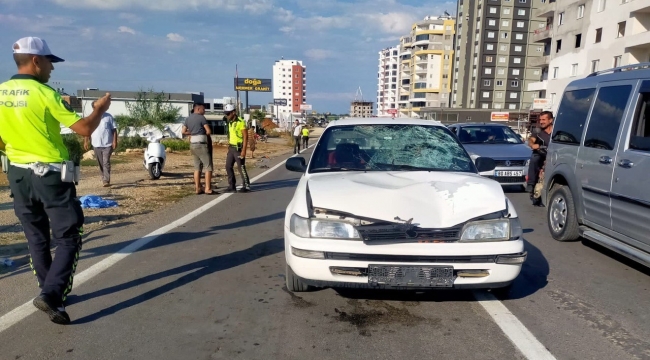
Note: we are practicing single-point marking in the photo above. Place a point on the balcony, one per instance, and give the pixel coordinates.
(543, 34)
(545, 9)
(538, 86)
(539, 61)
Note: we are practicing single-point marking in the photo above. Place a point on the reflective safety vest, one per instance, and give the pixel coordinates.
(31, 114)
(235, 130)
(305, 132)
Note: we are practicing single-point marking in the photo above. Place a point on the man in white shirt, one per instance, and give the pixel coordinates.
(297, 130)
(104, 141)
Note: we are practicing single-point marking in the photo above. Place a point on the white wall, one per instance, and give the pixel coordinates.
(118, 107)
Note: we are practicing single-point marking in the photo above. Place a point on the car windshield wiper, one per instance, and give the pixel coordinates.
(334, 168)
(405, 167)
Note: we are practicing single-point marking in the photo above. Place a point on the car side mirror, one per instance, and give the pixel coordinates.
(485, 164)
(296, 164)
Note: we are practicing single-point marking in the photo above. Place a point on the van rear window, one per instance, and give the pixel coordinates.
(572, 115)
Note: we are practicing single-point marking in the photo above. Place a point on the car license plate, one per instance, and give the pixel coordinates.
(422, 276)
(509, 173)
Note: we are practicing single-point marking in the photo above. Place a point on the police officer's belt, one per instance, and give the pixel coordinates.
(39, 167)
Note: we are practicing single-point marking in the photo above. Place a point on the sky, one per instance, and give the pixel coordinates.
(194, 45)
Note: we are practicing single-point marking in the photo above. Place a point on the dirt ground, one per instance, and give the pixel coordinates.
(131, 187)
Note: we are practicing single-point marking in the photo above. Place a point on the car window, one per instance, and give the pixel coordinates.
(607, 116)
(640, 138)
(572, 115)
(488, 135)
(389, 148)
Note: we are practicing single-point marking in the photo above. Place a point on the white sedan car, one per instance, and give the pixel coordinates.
(398, 204)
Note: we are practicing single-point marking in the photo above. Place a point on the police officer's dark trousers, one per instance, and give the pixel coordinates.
(231, 159)
(41, 203)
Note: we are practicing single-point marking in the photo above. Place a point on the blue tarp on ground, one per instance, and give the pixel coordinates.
(96, 202)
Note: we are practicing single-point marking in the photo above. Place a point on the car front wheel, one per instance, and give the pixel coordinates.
(561, 214)
(294, 283)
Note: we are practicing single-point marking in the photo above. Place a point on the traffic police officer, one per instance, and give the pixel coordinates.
(41, 184)
(237, 143)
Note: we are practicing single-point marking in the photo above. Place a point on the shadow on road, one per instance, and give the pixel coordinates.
(616, 256)
(202, 268)
(272, 185)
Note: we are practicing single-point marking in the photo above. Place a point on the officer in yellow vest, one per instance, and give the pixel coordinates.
(305, 137)
(40, 175)
(237, 143)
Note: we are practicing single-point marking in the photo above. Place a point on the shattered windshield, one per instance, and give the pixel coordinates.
(389, 148)
(488, 135)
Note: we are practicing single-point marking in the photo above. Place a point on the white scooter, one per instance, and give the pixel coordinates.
(155, 155)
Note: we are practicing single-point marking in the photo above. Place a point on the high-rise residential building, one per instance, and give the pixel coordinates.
(362, 109)
(495, 54)
(582, 37)
(290, 83)
(387, 81)
(426, 64)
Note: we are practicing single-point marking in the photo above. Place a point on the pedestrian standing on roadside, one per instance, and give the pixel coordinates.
(297, 131)
(237, 143)
(196, 126)
(305, 137)
(43, 190)
(104, 142)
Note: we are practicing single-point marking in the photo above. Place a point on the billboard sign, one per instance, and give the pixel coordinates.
(280, 102)
(500, 116)
(392, 111)
(541, 104)
(253, 84)
(305, 107)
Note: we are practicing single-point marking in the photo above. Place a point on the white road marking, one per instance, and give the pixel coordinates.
(518, 334)
(21, 312)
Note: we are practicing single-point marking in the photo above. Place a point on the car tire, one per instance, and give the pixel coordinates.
(561, 214)
(293, 282)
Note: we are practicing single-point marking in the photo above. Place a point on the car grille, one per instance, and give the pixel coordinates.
(473, 259)
(502, 163)
(391, 233)
(509, 179)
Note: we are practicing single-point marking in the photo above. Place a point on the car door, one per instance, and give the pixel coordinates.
(595, 166)
(630, 195)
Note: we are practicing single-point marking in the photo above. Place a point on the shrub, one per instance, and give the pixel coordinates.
(131, 142)
(273, 134)
(176, 144)
(74, 144)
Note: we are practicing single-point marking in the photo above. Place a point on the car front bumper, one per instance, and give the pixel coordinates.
(346, 263)
(508, 180)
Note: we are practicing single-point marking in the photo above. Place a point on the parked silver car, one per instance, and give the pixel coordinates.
(598, 161)
(499, 142)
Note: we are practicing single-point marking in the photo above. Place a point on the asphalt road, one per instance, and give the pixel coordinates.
(213, 288)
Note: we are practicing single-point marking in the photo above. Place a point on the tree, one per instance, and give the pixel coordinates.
(258, 115)
(149, 109)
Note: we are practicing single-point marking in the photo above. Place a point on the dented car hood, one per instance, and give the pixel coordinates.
(431, 199)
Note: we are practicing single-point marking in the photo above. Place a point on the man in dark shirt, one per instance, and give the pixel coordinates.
(196, 125)
(539, 143)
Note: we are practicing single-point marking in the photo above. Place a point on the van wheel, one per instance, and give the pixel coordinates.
(561, 214)
(294, 284)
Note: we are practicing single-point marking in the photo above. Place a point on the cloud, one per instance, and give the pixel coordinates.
(318, 54)
(251, 6)
(393, 22)
(126, 29)
(175, 37)
(132, 18)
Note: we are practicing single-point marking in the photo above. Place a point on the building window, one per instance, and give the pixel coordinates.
(498, 95)
(506, 11)
(489, 46)
(499, 83)
(514, 83)
(540, 48)
(520, 24)
(502, 71)
(519, 36)
(512, 106)
(493, 10)
(505, 23)
(515, 71)
(487, 82)
(502, 59)
(578, 40)
(558, 45)
(491, 34)
(485, 106)
(601, 5)
(498, 106)
(574, 69)
(517, 60)
(504, 47)
(521, 12)
(599, 35)
(518, 48)
(492, 22)
(581, 11)
(513, 95)
(594, 65)
(489, 59)
(560, 19)
(488, 71)
(535, 72)
(621, 29)
(486, 94)
(504, 35)
(617, 61)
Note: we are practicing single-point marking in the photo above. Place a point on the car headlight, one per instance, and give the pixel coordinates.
(492, 230)
(322, 229)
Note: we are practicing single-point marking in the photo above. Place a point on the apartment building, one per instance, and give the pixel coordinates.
(494, 56)
(290, 83)
(361, 109)
(582, 37)
(426, 65)
(387, 81)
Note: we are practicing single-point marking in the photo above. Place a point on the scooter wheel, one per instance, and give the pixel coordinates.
(155, 171)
